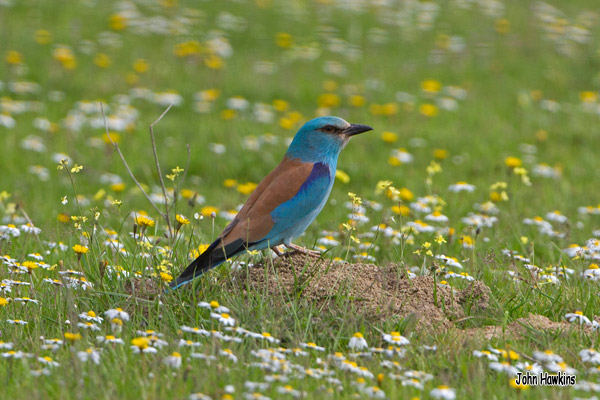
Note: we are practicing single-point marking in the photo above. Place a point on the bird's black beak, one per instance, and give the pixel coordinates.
(355, 129)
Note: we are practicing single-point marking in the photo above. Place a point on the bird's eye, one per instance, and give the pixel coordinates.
(328, 129)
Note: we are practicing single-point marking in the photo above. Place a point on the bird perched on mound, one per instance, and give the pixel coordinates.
(287, 200)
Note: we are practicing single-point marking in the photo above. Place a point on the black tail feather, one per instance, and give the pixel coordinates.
(209, 259)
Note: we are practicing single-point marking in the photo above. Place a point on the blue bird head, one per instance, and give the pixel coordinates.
(322, 139)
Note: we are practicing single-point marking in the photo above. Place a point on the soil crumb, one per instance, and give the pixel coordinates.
(144, 288)
(370, 292)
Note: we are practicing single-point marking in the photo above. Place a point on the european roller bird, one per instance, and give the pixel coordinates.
(286, 201)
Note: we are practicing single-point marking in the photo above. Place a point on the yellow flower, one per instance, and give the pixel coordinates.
(102, 60)
(144, 221)
(65, 56)
(3, 301)
(502, 26)
(42, 36)
(227, 114)
(166, 277)
(140, 342)
(281, 105)
(402, 210)
(376, 109)
(64, 218)
(541, 135)
(140, 66)
(188, 48)
(467, 241)
(229, 183)
(181, 219)
(208, 210)
(286, 123)
(429, 110)
(117, 187)
(79, 249)
(211, 94)
(588, 97)
(513, 383)
(440, 154)
(284, 40)
(431, 86)
(72, 336)
(13, 57)
(498, 185)
(389, 109)
(342, 176)
(330, 85)
(356, 200)
(357, 101)
(442, 41)
(295, 116)
(187, 193)
(406, 194)
(131, 79)
(115, 137)
(246, 188)
(382, 186)
(328, 100)
(117, 22)
(30, 265)
(394, 162)
(213, 61)
(195, 253)
(389, 137)
(513, 162)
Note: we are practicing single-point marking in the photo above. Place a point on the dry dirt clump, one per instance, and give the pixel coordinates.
(371, 292)
(142, 288)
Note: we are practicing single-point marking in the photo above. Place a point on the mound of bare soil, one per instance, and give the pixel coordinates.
(526, 326)
(372, 292)
(519, 327)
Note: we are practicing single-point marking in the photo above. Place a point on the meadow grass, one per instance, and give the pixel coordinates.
(500, 95)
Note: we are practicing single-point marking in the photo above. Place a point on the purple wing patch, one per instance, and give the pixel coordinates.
(319, 171)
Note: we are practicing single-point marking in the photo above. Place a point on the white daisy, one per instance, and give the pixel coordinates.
(578, 317)
(443, 392)
(460, 187)
(357, 342)
(117, 313)
(223, 318)
(89, 354)
(173, 361)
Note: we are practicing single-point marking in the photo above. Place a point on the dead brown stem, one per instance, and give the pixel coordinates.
(127, 165)
(162, 182)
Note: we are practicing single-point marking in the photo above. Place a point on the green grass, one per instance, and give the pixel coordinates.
(381, 50)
